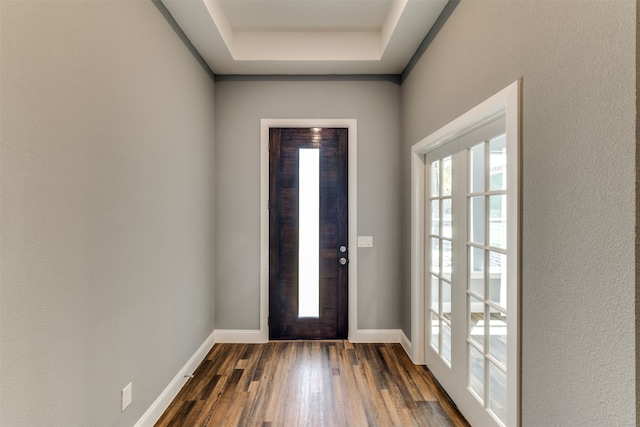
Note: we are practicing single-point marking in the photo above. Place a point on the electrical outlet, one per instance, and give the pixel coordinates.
(126, 396)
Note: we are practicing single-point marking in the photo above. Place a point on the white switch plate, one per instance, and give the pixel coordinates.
(365, 241)
(126, 396)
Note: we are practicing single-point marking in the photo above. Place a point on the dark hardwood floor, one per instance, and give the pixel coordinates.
(310, 383)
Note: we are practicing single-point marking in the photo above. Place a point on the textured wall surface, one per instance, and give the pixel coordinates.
(577, 63)
(107, 187)
(239, 107)
(106, 210)
(637, 192)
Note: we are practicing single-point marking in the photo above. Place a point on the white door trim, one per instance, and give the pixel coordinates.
(350, 124)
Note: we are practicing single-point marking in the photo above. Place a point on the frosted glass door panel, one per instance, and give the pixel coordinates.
(309, 229)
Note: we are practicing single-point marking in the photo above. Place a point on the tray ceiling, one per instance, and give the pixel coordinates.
(306, 36)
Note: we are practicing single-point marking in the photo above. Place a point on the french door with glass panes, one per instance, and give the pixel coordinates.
(471, 272)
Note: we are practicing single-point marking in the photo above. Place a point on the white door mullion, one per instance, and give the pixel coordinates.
(460, 266)
(487, 271)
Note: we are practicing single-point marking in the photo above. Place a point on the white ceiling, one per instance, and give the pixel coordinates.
(306, 36)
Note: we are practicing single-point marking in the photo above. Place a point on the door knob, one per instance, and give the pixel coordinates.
(342, 261)
(343, 249)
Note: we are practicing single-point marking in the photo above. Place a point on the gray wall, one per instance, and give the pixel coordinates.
(107, 186)
(577, 63)
(239, 107)
(106, 210)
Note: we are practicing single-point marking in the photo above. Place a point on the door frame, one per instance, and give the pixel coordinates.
(507, 102)
(352, 174)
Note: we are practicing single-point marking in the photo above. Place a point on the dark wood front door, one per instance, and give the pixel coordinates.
(286, 146)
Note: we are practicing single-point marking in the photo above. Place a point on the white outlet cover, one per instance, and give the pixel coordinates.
(126, 396)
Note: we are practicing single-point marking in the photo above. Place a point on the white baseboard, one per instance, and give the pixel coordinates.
(254, 336)
(408, 347)
(376, 336)
(163, 401)
(243, 336)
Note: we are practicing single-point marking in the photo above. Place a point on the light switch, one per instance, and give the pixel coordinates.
(365, 241)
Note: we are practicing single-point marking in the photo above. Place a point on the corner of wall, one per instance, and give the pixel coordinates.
(637, 219)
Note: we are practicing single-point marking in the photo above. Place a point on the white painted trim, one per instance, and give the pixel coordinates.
(376, 336)
(351, 125)
(242, 336)
(418, 296)
(249, 336)
(407, 346)
(157, 408)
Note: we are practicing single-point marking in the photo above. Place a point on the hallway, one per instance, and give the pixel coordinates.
(310, 383)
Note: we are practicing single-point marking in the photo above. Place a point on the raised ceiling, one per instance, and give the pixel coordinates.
(306, 36)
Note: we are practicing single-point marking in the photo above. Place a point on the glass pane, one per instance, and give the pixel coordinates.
(476, 321)
(476, 220)
(435, 178)
(498, 338)
(498, 392)
(476, 270)
(446, 218)
(498, 221)
(476, 372)
(435, 255)
(447, 176)
(446, 259)
(498, 278)
(476, 173)
(446, 342)
(309, 233)
(498, 163)
(435, 217)
(435, 332)
(435, 294)
(446, 300)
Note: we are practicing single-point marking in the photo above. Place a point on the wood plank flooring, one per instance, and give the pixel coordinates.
(310, 383)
